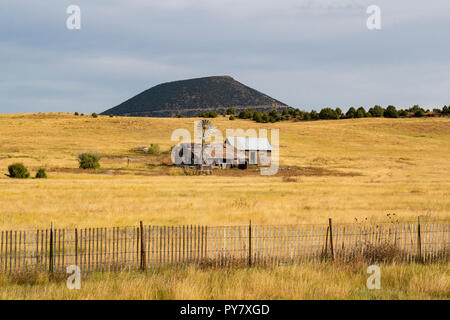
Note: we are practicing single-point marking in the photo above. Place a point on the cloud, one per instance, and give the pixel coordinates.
(308, 53)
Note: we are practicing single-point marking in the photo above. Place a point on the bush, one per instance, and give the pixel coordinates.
(94, 115)
(180, 116)
(89, 161)
(246, 114)
(232, 118)
(391, 112)
(76, 113)
(18, 171)
(154, 149)
(111, 116)
(231, 111)
(41, 174)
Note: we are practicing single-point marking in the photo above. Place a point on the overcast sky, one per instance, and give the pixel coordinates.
(306, 53)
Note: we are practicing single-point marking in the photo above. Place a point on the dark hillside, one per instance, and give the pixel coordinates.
(194, 96)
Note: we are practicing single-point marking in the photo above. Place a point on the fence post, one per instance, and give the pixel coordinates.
(331, 238)
(76, 246)
(50, 265)
(143, 264)
(250, 243)
(419, 240)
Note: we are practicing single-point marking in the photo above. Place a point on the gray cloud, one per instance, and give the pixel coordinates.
(308, 54)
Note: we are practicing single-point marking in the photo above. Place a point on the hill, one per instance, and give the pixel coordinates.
(194, 96)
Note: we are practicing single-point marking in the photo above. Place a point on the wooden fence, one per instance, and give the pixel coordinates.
(149, 247)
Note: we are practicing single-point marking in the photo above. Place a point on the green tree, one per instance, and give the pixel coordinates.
(328, 113)
(419, 113)
(360, 112)
(391, 112)
(376, 111)
(351, 113)
(403, 113)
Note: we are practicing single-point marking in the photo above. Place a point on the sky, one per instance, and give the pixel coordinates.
(308, 54)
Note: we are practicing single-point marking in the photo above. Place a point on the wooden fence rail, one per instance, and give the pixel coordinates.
(148, 247)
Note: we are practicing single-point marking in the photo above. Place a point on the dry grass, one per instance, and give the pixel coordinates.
(347, 169)
(361, 168)
(307, 281)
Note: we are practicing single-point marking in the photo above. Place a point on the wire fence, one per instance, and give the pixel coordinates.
(149, 247)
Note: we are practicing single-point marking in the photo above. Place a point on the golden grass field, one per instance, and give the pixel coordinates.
(306, 281)
(393, 165)
(345, 169)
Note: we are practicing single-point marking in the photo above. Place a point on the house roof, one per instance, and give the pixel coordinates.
(250, 144)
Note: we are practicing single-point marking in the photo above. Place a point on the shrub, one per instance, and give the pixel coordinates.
(18, 171)
(41, 174)
(89, 161)
(76, 113)
(180, 116)
(231, 111)
(232, 118)
(391, 112)
(154, 149)
(246, 114)
(111, 116)
(94, 115)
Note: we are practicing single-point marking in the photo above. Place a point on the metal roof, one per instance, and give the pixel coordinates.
(250, 144)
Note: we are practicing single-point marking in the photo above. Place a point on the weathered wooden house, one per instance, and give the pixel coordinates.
(235, 151)
(250, 150)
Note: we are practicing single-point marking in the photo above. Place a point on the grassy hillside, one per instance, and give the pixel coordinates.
(347, 169)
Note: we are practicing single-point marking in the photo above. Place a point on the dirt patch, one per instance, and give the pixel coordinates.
(161, 169)
(287, 172)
